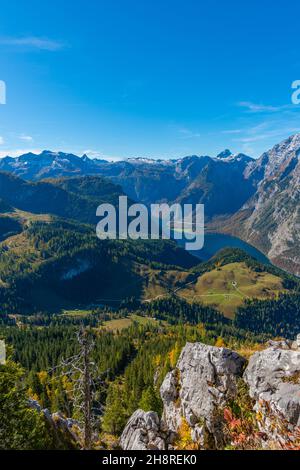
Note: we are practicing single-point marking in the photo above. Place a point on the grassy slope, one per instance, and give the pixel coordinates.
(227, 286)
(224, 287)
(122, 323)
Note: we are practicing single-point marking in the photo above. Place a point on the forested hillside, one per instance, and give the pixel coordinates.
(126, 360)
(62, 263)
(76, 198)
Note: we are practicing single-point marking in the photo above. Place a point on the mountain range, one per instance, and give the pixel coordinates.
(256, 200)
(218, 182)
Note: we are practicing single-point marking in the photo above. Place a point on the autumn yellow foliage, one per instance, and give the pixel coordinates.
(184, 439)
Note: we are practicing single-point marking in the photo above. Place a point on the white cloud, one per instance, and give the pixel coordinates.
(26, 138)
(1, 140)
(18, 152)
(232, 131)
(267, 130)
(33, 42)
(96, 154)
(188, 133)
(259, 107)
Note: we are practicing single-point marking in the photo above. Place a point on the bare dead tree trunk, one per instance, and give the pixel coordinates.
(84, 375)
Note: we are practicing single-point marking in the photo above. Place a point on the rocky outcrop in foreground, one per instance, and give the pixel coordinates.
(65, 431)
(273, 376)
(206, 382)
(143, 432)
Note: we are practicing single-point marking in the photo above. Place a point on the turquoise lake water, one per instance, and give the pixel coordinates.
(215, 242)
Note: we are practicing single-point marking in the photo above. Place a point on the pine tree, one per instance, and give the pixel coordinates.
(150, 400)
(115, 416)
(21, 427)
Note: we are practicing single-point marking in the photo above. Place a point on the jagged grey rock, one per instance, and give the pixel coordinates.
(142, 432)
(273, 377)
(204, 379)
(198, 389)
(282, 344)
(296, 343)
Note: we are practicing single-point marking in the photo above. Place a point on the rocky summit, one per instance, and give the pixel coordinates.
(208, 386)
(273, 379)
(203, 381)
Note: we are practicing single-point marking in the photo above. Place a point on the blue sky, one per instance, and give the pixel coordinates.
(148, 78)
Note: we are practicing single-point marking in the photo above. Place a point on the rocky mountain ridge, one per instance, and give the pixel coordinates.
(218, 182)
(270, 220)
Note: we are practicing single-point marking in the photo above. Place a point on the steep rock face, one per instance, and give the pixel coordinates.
(220, 185)
(203, 381)
(274, 223)
(143, 432)
(273, 376)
